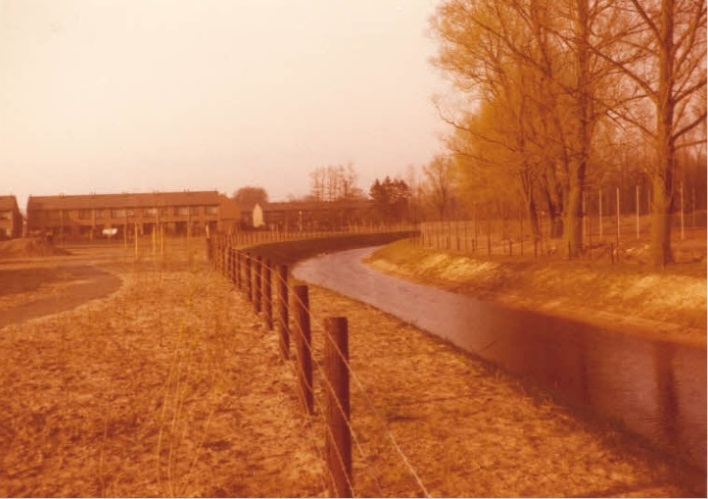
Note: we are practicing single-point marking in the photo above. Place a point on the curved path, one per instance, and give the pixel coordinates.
(93, 284)
(656, 388)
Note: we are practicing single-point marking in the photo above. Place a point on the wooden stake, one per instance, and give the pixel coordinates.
(283, 332)
(338, 438)
(301, 308)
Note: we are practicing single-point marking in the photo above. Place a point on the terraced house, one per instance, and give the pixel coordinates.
(10, 218)
(116, 215)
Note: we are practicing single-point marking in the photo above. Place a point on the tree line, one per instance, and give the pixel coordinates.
(558, 95)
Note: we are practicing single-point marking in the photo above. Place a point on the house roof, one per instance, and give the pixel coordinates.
(315, 206)
(125, 200)
(8, 203)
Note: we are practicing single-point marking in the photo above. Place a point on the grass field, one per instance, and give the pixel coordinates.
(171, 386)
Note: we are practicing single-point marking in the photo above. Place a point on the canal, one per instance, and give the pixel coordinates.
(656, 389)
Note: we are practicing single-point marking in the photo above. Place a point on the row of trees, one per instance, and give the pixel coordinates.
(334, 183)
(434, 195)
(557, 92)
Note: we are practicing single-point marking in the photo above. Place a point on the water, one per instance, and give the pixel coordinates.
(655, 388)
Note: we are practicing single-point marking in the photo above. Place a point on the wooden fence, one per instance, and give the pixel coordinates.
(604, 235)
(247, 238)
(285, 309)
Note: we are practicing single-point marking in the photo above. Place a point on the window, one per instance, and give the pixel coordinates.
(194, 210)
(182, 211)
(212, 210)
(98, 213)
(118, 213)
(54, 214)
(84, 214)
(5, 215)
(150, 212)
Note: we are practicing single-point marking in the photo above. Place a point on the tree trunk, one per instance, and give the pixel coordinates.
(576, 181)
(661, 225)
(556, 225)
(663, 181)
(574, 213)
(554, 205)
(533, 219)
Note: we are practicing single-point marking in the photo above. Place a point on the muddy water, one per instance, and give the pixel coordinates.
(655, 388)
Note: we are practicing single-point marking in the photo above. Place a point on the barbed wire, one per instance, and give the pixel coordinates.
(231, 268)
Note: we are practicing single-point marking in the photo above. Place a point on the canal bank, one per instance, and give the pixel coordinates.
(667, 305)
(655, 388)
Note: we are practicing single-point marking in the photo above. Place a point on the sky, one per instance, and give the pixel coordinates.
(141, 95)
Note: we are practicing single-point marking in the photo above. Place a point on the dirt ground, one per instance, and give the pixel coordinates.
(172, 386)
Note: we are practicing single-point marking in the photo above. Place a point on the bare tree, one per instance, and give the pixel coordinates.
(334, 183)
(663, 54)
(440, 184)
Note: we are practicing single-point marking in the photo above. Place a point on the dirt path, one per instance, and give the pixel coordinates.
(32, 292)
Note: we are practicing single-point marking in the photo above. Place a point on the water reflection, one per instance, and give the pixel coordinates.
(657, 389)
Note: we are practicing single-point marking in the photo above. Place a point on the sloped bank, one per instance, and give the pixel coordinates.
(290, 252)
(669, 305)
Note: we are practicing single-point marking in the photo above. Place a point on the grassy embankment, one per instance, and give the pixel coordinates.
(670, 304)
(290, 252)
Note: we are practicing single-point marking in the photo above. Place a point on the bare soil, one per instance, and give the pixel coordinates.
(172, 386)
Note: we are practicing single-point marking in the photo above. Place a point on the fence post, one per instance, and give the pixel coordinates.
(224, 257)
(238, 269)
(636, 201)
(301, 307)
(338, 437)
(227, 260)
(617, 197)
(257, 284)
(136, 240)
(457, 235)
(249, 283)
(599, 210)
(489, 238)
(267, 295)
(585, 223)
(231, 262)
(283, 332)
(683, 211)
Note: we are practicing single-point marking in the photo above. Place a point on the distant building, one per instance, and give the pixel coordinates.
(10, 218)
(258, 216)
(306, 215)
(94, 215)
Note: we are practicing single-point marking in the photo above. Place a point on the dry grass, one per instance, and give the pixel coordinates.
(172, 386)
(672, 303)
(28, 247)
(472, 431)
